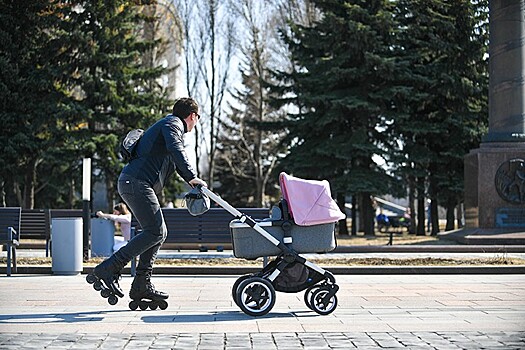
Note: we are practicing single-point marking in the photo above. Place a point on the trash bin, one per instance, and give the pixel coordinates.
(66, 250)
(102, 237)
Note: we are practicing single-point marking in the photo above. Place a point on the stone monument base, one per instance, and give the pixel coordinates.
(495, 188)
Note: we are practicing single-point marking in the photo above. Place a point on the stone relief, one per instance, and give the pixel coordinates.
(510, 181)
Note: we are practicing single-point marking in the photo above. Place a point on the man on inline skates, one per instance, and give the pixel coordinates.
(159, 153)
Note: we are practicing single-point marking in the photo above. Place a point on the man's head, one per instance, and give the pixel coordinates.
(187, 109)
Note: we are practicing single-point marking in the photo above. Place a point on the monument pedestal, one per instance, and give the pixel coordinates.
(484, 206)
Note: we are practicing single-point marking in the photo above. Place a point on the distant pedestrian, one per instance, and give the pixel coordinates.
(122, 217)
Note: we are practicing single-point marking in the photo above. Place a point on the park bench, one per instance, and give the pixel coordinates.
(208, 231)
(10, 234)
(36, 224)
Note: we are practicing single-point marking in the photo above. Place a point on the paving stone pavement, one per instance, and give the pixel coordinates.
(374, 312)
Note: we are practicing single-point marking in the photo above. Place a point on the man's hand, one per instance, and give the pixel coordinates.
(196, 181)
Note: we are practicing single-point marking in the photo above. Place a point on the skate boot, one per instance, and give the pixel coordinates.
(143, 294)
(105, 279)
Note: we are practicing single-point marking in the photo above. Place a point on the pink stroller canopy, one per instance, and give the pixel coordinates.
(309, 201)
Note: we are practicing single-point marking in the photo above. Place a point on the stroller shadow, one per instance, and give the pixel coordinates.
(222, 316)
(68, 317)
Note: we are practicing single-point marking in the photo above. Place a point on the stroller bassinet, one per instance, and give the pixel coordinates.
(249, 244)
(305, 225)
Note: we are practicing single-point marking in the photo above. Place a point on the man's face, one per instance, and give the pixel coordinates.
(192, 120)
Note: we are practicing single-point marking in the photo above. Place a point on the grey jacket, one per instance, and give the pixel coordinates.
(160, 153)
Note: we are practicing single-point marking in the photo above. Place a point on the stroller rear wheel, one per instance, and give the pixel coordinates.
(321, 301)
(256, 296)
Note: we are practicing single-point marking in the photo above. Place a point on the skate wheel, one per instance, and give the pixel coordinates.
(105, 293)
(321, 303)
(112, 299)
(236, 285)
(308, 296)
(143, 305)
(256, 296)
(97, 285)
(153, 305)
(133, 305)
(163, 305)
(91, 279)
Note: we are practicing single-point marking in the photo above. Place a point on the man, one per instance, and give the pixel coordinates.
(159, 153)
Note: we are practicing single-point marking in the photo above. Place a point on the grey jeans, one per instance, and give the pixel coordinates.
(144, 204)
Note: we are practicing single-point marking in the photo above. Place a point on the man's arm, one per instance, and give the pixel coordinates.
(173, 136)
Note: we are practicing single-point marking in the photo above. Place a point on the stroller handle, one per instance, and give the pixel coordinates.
(217, 199)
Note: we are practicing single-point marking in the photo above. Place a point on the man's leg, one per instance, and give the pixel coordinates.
(144, 204)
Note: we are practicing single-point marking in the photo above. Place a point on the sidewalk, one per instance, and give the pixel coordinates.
(416, 311)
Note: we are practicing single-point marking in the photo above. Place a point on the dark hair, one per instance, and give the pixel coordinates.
(121, 208)
(183, 107)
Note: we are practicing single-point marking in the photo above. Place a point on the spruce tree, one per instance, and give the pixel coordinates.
(440, 110)
(30, 102)
(340, 87)
(114, 80)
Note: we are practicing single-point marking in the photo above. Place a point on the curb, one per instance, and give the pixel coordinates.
(336, 270)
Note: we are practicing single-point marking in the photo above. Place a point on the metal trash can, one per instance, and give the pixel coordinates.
(66, 248)
(102, 237)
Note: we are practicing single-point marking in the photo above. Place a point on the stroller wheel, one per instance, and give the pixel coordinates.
(308, 296)
(256, 296)
(321, 301)
(236, 285)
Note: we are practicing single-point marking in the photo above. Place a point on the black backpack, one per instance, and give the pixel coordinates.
(129, 144)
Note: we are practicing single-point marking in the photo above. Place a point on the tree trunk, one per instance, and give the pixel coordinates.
(2, 194)
(368, 214)
(434, 216)
(343, 228)
(411, 201)
(71, 193)
(110, 194)
(420, 182)
(29, 185)
(450, 216)
(354, 215)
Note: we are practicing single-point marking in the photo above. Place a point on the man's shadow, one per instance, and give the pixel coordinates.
(56, 317)
(180, 317)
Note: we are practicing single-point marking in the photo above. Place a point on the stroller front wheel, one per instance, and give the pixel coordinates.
(308, 296)
(321, 302)
(236, 285)
(256, 296)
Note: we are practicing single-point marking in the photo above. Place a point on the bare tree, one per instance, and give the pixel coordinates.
(192, 62)
(217, 45)
(247, 151)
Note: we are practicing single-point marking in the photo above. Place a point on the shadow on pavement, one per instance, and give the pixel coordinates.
(219, 316)
(68, 317)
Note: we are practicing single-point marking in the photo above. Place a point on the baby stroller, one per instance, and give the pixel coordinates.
(303, 222)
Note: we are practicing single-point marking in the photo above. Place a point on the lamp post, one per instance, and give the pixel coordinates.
(86, 198)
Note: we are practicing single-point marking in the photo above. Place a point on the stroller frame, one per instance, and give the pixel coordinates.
(255, 293)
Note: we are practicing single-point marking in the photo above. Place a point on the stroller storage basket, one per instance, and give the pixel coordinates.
(249, 244)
